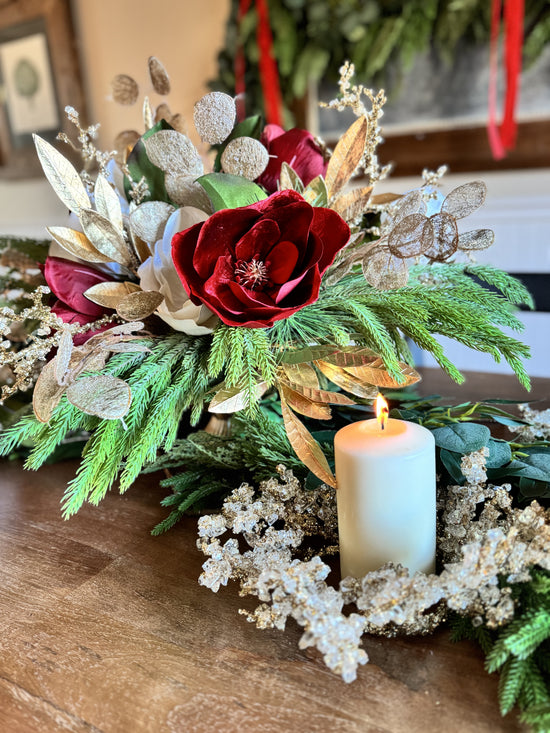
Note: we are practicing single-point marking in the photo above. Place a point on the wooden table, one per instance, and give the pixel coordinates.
(105, 628)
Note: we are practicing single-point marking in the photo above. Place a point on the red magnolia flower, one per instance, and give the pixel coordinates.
(68, 280)
(260, 263)
(295, 147)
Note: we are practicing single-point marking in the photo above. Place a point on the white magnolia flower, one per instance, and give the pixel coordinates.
(158, 273)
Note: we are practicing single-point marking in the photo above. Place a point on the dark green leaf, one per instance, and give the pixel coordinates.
(499, 453)
(531, 489)
(462, 437)
(229, 192)
(451, 461)
(140, 167)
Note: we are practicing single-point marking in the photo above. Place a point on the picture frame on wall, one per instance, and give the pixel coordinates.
(39, 76)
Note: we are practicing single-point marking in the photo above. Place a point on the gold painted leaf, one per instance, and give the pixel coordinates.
(141, 248)
(233, 399)
(352, 356)
(412, 236)
(124, 142)
(477, 239)
(125, 89)
(464, 200)
(105, 237)
(303, 405)
(107, 203)
(77, 244)
(315, 193)
(149, 219)
(351, 205)
(303, 374)
(159, 77)
(139, 304)
(109, 294)
(385, 198)
(346, 156)
(289, 179)
(63, 357)
(62, 175)
(343, 379)
(385, 271)
(322, 396)
(47, 392)
(377, 374)
(101, 395)
(307, 354)
(306, 447)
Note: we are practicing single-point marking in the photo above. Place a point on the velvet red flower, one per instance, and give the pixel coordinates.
(260, 263)
(68, 280)
(295, 147)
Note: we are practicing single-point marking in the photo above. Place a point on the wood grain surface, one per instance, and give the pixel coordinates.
(104, 628)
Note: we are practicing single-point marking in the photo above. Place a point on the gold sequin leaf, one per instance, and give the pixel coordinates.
(346, 156)
(214, 117)
(476, 239)
(159, 77)
(102, 395)
(125, 89)
(305, 446)
(62, 175)
(174, 153)
(246, 157)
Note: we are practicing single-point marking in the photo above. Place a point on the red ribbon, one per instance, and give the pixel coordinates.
(503, 138)
(269, 75)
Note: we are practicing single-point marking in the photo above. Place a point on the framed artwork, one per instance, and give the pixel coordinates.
(38, 77)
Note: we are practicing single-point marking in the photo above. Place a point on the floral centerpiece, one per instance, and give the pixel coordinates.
(204, 317)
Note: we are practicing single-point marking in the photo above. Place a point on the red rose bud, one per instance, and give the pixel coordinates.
(257, 264)
(295, 147)
(68, 280)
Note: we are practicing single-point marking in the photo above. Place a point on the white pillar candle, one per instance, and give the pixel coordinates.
(386, 496)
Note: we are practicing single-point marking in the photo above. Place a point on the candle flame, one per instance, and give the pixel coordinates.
(382, 411)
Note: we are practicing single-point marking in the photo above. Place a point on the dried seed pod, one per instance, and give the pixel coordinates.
(125, 89)
(411, 237)
(245, 157)
(163, 112)
(124, 142)
(159, 78)
(214, 117)
(174, 153)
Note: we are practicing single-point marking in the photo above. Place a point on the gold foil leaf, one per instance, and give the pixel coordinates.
(62, 176)
(140, 304)
(465, 199)
(102, 395)
(315, 193)
(377, 374)
(214, 117)
(384, 271)
(385, 198)
(307, 354)
(141, 248)
(159, 77)
(303, 405)
(105, 237)
(125, 89)
(63, 357)
(174, 153)
(322, 395)
(107, 202)
(353, 204)
(246, 157)
(109, 294)
(411, 237)
(353, 356)
(303, 374)
(411, 203)
(77, 244)
(306, 447)
(47, 392)
(233, 399)
(185, 191)
(346, 156)
(477, 239)
(343, 379)
(148, 220)
(445, 241)
(289, 180)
